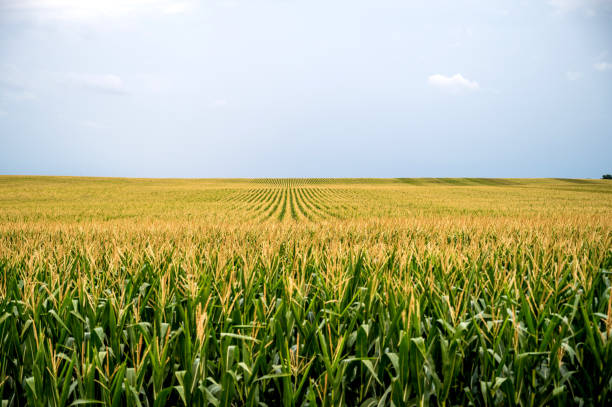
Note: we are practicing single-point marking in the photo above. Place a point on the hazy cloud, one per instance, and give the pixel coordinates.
(10, 83)
(603, 66)
(14, 91)
(566, 5)
(150, 83)
(219, 103)
(91, 124)
(90, 9)
(573, 76)
(590, 7)
(105, 83)
(176, 8)
(18, 95)
(13, 85)
(453, 83)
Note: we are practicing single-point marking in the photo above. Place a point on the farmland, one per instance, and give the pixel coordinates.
(148, 292)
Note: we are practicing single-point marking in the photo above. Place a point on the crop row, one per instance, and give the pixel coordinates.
(303, 329)
(291, 182)
(291, 202)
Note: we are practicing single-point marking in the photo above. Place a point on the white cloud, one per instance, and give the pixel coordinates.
(230, 3)
(453, 83)
(9, 82)
(106, 83)
(573, 76)
(90, 124)
(18, 95)
(13, 90)
(219, 103)
(565, 6)
(91, 9)
(13, 85)
(150, 83)
(589, 7)
(603, 66)
(176, 8)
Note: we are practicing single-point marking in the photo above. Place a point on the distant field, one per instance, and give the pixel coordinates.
(305, 291)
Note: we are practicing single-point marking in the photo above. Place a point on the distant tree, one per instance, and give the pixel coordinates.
(606, 176)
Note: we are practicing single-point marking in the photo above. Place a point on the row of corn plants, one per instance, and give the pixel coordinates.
(302, 327)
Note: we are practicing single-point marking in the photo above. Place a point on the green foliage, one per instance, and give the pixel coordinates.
(538, 341)
(300, 294)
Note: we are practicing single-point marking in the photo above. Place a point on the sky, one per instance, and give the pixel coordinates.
(306, 88)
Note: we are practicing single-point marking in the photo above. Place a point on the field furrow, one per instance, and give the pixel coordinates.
(296, 199)
(266, 198)
(283, 205)
(320, 199)
(269, 208)
(302, 205)
(294, 212)
(311, 207)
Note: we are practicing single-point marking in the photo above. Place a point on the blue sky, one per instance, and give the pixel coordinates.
(299, 88)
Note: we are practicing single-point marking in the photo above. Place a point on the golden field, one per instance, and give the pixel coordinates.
(305, 291)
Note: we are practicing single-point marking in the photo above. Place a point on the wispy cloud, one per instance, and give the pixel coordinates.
(18, 95)
(91, 9)
(13, 85)
(454, 83)
(590, 7)
(105, 83)
(565, 6)
(573, 76)
(219, 103)
(3, 113)
(230, 3)
(177, 8)
(90, 124)
(15, 91)
(603, 66)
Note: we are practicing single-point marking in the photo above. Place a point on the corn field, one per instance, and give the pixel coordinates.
(305, 292)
